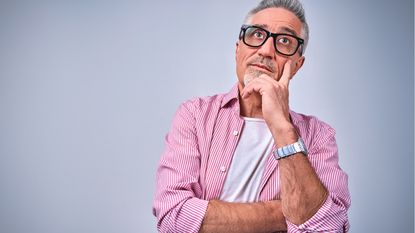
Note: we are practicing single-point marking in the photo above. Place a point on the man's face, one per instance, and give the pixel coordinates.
(252, 62)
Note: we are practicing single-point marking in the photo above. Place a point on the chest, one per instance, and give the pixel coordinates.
(217, 151)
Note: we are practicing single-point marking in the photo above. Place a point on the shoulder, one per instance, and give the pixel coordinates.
(314, 131)
(310, 122)
(199, 105)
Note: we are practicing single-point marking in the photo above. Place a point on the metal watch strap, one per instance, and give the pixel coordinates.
(290, 149)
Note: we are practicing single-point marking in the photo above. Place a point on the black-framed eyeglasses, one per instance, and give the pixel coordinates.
(255, 36)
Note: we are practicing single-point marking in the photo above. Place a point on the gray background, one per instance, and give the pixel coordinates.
(88, 90)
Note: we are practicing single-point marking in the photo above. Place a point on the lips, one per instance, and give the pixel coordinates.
(263, 67)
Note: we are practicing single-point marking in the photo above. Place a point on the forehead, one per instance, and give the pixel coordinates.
(277, 20)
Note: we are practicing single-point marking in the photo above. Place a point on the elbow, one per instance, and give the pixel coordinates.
(331, 216)
(298, 209)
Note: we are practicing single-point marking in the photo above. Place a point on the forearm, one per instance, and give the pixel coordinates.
(302, 192)
(243, 217)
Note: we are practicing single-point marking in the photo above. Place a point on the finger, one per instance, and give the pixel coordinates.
(249, 89)
(268, 79)
(256, 85)
(270, 82)
(286, 73)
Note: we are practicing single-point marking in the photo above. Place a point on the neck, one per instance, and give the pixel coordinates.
(251, 106)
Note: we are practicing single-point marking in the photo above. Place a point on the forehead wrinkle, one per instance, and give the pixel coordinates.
(289, 30)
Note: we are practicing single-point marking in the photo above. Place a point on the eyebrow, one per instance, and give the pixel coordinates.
(289, 30)
(283, 29)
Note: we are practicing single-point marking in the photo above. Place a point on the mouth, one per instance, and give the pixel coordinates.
(261, 67)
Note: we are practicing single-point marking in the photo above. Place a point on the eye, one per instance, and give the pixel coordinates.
(284, 40)
(258, 34)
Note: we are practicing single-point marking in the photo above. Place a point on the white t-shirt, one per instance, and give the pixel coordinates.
(248, 163)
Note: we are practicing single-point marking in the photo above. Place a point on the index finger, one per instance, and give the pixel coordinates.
(286, 73)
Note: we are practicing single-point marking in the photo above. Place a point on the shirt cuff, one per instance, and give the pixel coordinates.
(329, 218)
(192, 214)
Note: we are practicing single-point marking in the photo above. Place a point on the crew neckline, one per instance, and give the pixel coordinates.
(253, 119)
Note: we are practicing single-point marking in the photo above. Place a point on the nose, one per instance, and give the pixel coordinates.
(267, 49)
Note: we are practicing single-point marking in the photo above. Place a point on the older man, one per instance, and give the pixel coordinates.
(243, 161)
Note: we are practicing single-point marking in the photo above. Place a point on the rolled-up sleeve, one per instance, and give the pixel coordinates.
(177, 203)
(332, 215)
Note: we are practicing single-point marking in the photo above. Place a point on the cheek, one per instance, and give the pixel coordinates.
(243, 59)
(243, 53)
(240, 60)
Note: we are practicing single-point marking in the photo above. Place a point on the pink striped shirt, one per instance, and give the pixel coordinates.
(198, 154)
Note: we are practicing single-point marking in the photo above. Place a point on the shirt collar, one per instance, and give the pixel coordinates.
(233, 94)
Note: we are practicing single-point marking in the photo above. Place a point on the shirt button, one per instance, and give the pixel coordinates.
(235, 133)
(222, 168)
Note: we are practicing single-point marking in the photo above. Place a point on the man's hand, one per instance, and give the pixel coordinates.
(274, 96)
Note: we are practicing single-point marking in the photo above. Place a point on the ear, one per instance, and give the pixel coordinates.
(297, 65)
(236, 49)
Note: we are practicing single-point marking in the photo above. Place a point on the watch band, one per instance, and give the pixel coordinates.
(290, 149)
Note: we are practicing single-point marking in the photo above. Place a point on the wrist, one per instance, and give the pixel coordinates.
(284, 134)
(291, 149)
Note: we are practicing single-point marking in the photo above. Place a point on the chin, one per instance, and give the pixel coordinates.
(249, 76)
(255, 72)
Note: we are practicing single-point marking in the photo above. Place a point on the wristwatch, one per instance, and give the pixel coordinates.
(291, 149)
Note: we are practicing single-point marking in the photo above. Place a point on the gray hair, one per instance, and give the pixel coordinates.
(293, 6)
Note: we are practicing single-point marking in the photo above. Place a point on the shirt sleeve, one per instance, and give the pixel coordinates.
(332, 215)
(177, 203)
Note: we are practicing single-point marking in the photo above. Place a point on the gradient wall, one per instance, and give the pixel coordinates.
(88, 90)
